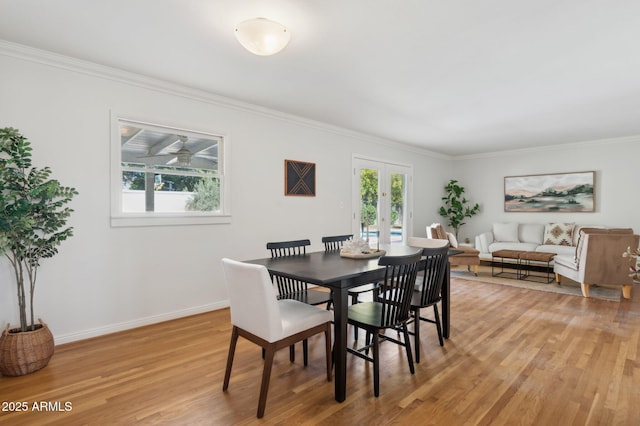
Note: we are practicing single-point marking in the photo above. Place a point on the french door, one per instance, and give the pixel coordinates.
(382, 208)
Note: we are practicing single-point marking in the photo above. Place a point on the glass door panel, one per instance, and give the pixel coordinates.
(369, 204)
(381, 201)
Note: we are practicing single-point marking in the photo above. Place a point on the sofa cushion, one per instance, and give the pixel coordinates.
(557, 249)
(559, 233)
(531, 233)
(566, 261)
(505, 232)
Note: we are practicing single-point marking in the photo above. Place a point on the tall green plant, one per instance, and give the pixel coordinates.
(456, 207)
(33, 216)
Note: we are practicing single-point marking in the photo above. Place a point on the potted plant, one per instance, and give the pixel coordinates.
(33, 216)
(456, 207)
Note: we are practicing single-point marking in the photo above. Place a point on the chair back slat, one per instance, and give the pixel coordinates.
(435, 267)
(397, 287)
(335, 242)
(287, 287)
(288, 248)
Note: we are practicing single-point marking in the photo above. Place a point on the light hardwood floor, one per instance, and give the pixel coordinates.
(515, 356)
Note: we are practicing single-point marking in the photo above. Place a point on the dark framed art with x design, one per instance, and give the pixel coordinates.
(299, 178)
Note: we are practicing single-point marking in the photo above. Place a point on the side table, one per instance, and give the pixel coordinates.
(506, 254)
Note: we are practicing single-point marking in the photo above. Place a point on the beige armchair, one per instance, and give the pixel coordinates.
(470, 257)
(599, 260)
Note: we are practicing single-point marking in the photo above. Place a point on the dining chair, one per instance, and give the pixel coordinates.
(272, 323)
(335, 243)
(388, 312)
(289, 288)
(428, 286)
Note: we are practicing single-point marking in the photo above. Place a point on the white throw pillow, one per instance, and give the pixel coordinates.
(505, 232)
(453, 241)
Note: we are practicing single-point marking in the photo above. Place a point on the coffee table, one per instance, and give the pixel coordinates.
(536, 256)
(507, 254)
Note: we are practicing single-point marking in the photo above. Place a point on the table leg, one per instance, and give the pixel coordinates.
(446, 301)
(340, 313)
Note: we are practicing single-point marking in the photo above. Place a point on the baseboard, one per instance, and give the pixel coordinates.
(113, 328)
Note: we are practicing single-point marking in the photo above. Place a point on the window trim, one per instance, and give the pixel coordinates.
(119, 218)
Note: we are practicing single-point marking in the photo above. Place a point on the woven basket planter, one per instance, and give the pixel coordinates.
(23, 352)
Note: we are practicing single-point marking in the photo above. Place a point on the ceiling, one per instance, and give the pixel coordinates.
(456, 77)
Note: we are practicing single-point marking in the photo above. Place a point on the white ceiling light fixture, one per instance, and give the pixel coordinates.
(262, 36)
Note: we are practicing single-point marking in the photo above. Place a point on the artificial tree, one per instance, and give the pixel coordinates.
(456, 207)
(33, 216)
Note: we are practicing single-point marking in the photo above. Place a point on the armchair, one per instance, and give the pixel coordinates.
(599, 260)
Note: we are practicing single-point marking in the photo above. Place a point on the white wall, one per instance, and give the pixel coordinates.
(106, 279)
(614, 161)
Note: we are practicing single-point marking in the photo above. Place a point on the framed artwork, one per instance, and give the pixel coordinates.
(299, 178)
(557, 192)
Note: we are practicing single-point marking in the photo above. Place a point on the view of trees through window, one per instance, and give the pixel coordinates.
(369, 196)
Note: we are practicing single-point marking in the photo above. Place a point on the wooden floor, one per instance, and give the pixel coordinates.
(515, 356)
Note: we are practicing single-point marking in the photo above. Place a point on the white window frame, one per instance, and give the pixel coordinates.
(123, 219)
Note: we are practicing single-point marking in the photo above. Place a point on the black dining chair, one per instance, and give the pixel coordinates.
(388, 312)
(289, 288)
(428, 286)
(335, 243)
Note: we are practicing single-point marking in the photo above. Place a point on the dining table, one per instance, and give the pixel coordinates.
(331, 270)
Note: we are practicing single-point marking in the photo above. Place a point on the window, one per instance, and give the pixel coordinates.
(167, 176)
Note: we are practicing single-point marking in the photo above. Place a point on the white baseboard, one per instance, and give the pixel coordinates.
(112, 328)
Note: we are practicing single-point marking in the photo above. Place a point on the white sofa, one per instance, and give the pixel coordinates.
(559, 238)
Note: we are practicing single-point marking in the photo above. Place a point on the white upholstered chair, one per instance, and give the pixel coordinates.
(258, 316)
(598, 260)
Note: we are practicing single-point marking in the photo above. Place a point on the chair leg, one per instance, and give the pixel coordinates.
(367, 342)
(438, 325)
(232, 351)
(376, 364)
(354, 300)
(305, 352)
(416, 332)
(327, 340)
(266, 375)
(292, 353)
(407, 346)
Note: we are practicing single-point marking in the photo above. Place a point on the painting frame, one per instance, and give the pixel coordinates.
(299, 178)
(573, 192)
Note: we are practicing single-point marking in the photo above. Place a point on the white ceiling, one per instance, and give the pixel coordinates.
(454, 76)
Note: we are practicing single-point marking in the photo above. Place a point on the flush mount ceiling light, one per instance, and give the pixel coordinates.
(261, 36)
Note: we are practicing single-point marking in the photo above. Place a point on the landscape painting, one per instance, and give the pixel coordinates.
(559, 192)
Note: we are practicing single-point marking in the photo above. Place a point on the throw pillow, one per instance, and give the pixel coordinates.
(560, 234)
(505, 232)
(438, 232)
(453, 241)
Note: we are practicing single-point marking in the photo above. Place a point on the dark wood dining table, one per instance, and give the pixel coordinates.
(330, 270)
